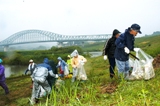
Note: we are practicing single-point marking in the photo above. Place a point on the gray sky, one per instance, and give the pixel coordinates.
(78, 17)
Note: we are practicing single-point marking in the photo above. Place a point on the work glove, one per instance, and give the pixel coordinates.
(136, 49)
(56, 76)
(105, 57)
(126, 50)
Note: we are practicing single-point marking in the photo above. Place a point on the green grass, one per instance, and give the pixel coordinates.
(150, 44)
(128, 93)
(89, 93)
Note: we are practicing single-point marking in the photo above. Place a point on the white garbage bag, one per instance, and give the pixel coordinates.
(81, 73)
(66, 71)
(142, 68)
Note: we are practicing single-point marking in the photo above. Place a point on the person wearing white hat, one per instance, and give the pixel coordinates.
(31, 67)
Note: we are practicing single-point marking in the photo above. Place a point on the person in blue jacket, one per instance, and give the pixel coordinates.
(61, 65)
(124, 44)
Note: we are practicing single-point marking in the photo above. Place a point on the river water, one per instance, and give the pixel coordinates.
(14, 70)
(19, 70)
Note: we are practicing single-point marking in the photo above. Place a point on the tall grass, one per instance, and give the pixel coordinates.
(88, 93)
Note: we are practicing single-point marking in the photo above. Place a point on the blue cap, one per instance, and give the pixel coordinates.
(136, 27)
(1, 60)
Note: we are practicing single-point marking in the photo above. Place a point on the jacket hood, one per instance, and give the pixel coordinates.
(74, 53)
(1, 61)
(45, 60)
(59, 58)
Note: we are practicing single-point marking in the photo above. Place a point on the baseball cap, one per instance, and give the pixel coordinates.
(136, 27)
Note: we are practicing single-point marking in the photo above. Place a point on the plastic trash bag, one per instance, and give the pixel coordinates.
(81, 72)
(142, 68)
(66, 71)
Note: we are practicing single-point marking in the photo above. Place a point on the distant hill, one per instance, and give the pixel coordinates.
(154, 33)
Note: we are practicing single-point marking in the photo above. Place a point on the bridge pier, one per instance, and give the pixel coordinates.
(60, 44)
(6, 48)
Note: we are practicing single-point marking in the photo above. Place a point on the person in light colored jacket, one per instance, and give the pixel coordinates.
(39, 78)
(77, 65)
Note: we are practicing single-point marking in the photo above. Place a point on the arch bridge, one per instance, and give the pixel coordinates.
(37, 36)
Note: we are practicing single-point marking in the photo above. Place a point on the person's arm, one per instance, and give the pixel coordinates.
(73, 63)
(58, 65)
(50, 71)
(107, 47)
(26, 71)
(1, 71)
(120, 42)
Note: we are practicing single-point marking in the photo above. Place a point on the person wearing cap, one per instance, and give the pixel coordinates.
(31, 67)
(2, 78)
(109, 51)
(77, 64)
(124, 44)
(61, 65)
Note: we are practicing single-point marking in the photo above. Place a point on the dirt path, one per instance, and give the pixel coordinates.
(19, 88)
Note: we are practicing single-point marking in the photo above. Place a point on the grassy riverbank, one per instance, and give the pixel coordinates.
(99, 90)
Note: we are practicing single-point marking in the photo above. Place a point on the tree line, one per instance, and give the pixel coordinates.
(23, 57)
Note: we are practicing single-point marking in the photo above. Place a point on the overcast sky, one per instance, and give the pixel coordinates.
(78, 17)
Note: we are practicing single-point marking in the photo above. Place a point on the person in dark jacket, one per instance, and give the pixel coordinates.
(124, 44)
(51, 80)
(109, 51)
(2, 78)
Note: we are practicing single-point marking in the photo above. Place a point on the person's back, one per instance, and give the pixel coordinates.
(39, 76)
(2, 74)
